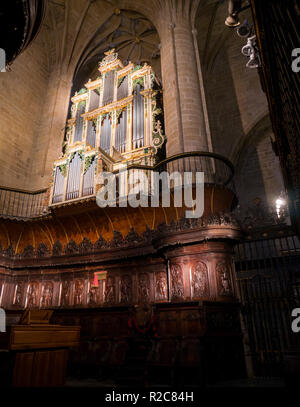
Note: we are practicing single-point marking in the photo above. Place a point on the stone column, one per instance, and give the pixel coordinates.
(183, 107)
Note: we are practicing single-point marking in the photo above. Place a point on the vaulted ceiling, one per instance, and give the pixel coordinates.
(133, 37)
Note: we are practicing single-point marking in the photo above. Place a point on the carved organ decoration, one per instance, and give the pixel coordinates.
(47, 294)
(115, 120)
(143, 287)
(32, 294)
(224, 280)
(161, 286)
(177, 282)
(199, 280)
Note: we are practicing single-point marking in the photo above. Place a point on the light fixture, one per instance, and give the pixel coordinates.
(251, 50)
(232, 21)
(280, 202)
(244, 29)
(234, 7)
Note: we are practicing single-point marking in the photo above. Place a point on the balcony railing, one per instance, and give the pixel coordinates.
(19, 204)
(217, 170)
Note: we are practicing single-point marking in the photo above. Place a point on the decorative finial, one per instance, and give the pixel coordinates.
(110, 52)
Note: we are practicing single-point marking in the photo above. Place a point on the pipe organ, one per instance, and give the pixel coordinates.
(115, 120)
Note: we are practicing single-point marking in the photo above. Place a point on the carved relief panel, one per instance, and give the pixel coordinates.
(177, 291)
(32, 299)
(143, 288)
(126, 289)
(47, 294)
(110, 290)
(199, 280)
(224, 279)
(161, 286)
(93, 293)
(78, 291)
(65, 293)
(18, 294)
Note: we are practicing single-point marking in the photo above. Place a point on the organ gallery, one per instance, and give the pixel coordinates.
(115, 122)
(141, 295)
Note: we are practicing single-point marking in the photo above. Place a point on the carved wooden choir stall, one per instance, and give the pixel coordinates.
(34, 353)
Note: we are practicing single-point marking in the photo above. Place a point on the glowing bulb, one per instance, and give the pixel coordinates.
(280, 202)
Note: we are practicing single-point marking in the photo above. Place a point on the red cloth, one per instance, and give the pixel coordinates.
(95, 282)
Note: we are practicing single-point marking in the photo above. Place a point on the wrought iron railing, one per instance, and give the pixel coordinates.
(217, 169)
(267, 271)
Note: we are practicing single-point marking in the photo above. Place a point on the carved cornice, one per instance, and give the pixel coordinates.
(146, 69)
(93, 84)
(222, 226)
(79, 98)
(126, 70)
(147, 92)
(119, 104)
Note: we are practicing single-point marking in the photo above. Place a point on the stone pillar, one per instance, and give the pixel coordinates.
(183, 107)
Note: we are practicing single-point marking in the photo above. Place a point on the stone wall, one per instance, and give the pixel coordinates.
(21, 101)
(235, 100)
(258, 173)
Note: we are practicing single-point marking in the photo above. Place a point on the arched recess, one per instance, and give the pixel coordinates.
(258, 173)
(84, 31)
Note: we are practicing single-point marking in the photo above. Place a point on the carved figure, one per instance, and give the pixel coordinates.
(126, 289)
(199, 280)
(144, 287)
(65, 293)
(18, 295)
(32, 295)
(161, 286)
(47, 295)
(78, 294)
(177, 282)
(110, 290)
(224, 279)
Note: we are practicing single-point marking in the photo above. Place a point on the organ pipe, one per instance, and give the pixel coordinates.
(121, 133)
(105, 136)
(74, 177)
(88, 180)
(138, 118)
(58, 186)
